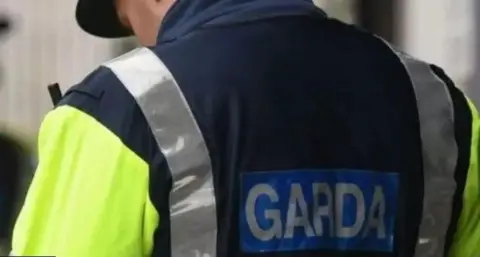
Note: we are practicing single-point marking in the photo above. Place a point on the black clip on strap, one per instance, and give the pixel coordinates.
(55, 93)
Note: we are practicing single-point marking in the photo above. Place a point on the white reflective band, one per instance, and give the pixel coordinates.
(440, 152)
(193, 215)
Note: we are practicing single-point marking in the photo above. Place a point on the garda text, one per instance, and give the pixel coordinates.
(344, 210)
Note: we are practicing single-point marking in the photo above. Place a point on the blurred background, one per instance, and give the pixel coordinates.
(46, 46)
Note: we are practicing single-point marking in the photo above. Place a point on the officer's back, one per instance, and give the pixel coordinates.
(283, 133)
(315, 130)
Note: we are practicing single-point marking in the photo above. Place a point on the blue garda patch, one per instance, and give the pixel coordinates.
(293, 210)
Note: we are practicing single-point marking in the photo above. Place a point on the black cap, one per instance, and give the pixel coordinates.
(99, 18)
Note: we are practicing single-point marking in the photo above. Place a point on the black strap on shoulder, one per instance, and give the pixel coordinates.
(55, 93)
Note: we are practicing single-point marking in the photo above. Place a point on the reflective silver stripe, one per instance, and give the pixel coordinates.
(440, 152)
(193, 217)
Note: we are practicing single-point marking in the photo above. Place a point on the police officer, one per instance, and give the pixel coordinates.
(252, 128)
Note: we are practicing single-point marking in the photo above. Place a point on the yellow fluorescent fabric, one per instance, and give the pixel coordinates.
(467, 237)
(89, 196)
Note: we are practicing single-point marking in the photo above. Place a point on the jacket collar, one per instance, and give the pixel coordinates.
(187, 15)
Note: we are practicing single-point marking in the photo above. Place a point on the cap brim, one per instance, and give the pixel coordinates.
(99, 18)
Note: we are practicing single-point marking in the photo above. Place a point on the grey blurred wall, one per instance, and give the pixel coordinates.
(442, 32)
(473, 84)
(45, 46)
